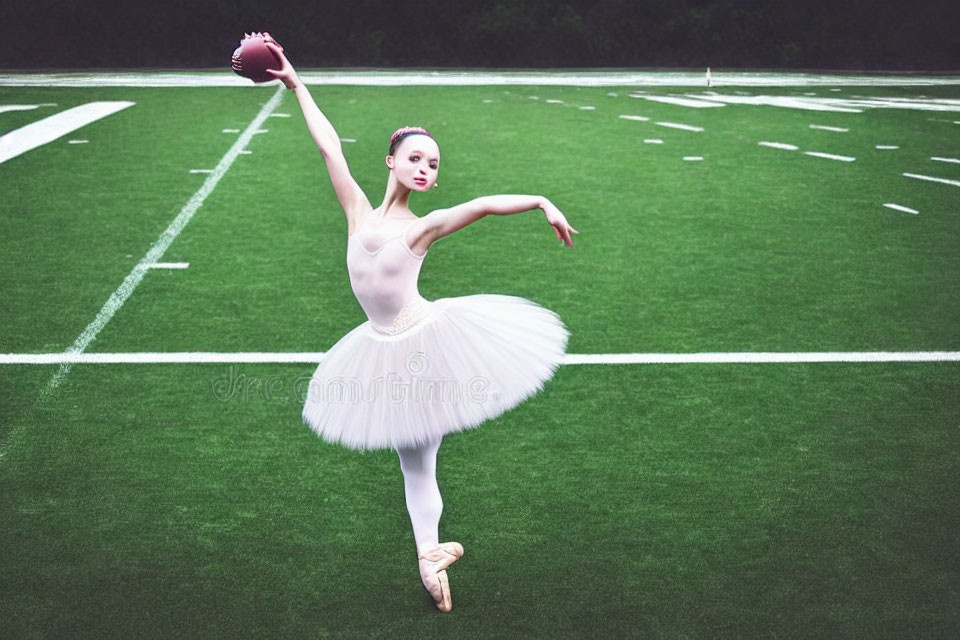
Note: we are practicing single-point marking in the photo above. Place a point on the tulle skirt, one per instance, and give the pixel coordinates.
(468, 360)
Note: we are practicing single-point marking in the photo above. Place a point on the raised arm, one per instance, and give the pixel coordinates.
(443, 222)
(351, 197)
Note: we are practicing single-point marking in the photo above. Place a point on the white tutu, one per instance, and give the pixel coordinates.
(469, 359)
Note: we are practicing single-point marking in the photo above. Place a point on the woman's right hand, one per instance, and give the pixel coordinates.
(286, 73)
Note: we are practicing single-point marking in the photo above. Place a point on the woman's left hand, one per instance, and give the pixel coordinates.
(560, 225)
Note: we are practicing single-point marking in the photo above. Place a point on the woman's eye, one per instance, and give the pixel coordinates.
(414, 158)
(433, 165)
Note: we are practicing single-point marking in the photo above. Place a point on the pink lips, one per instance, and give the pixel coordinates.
(420, 181)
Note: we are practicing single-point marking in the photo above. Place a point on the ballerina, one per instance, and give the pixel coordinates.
(418, 369)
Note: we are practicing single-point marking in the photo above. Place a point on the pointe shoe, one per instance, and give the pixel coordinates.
(433, 564)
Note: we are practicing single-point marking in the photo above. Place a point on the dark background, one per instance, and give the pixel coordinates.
(813, 34)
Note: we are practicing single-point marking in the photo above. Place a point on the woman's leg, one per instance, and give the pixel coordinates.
(424, 504)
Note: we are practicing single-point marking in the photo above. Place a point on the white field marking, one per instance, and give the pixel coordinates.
(637, 118)
(246, 152)
(17, 107)
(952, 160)
(835, 89)
(554, 101)
(487, 101)
(279, 115)
(166, 265)
(534, 97)
(810, 93)
(652, 141)
(348, 139)
(693, 158)
(193, 357)
(202, 170)
(231, 131)
(587, 108)
(683, 102)
(890, 205)
(955, 183)
(77, 141)
(830, 156)
(613, 94)
(258, 131)
(887, 146)
(809, 104)
(827, 128)
(779, 145)
(463, 77)
(674, 125)
(157, 249)
(38, 133)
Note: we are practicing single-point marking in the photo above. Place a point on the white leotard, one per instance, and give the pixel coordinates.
(383, 273)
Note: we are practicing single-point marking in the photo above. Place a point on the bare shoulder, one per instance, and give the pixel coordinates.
(422, 233)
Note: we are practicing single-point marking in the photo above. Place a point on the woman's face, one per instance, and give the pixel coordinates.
(416, 162)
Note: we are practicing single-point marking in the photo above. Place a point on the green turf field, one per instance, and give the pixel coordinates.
(674, 501)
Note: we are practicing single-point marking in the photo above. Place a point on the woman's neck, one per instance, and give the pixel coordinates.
(396, 199)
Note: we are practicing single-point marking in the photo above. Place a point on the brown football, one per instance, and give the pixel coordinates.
(252, 58)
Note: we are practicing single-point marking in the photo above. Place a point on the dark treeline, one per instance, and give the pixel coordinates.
(815, 34)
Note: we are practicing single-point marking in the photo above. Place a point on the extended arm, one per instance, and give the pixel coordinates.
(351, 197)
(443, 222)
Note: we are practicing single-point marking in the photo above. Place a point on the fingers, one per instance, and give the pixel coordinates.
(276, 51)
(269, 39)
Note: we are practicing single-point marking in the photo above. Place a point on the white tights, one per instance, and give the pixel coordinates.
(424, 504)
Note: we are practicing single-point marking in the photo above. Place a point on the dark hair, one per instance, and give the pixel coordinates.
(405, 132)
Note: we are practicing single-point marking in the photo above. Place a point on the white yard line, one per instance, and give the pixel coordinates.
(683, 102)
(192, 357)
(779, 145)
(637, 118)
(824, 127)
(167, 265)
(17, 107)
(898, 207)
(674, 125)
(955, 183)
(951, 160)
(829, 156)
(157, 250)
(887, 146)
(48, 129)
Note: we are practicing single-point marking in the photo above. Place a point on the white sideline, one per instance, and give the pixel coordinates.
(118, 297)
(467, 77)
(193, 357)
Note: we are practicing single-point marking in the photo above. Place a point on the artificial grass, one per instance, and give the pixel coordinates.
(627, 501)
(771, 500)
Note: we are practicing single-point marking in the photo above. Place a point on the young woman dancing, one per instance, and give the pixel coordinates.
(419, 369)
